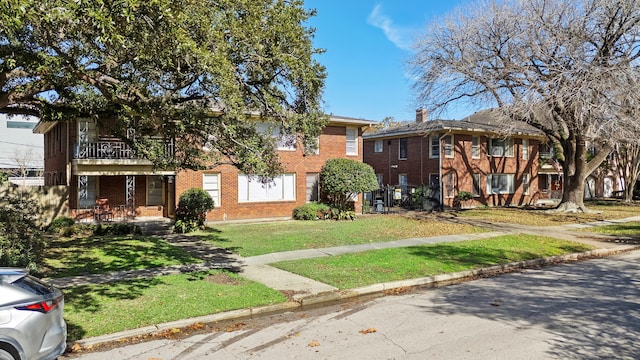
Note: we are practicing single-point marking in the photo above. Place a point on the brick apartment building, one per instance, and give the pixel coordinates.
(473, 155)
(101, 170)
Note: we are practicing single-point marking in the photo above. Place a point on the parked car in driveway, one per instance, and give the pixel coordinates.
(31, 322)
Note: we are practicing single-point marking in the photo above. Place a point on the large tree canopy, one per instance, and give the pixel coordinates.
(568, 67)
(189, 69)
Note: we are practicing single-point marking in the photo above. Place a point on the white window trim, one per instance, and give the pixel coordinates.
(281, 188)
(217, 198)
(434, 138)
(525, 149)
(351, 144)
(448, 147)
(475, 154)
(508, 151)
(378, 146)
(406, 142)
(510, 185)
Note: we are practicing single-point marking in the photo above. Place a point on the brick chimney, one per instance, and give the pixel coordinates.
(421, 115)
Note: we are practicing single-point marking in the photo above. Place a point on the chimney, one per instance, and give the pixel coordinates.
(421, 115)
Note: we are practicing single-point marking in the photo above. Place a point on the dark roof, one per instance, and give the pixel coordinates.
(483, 122)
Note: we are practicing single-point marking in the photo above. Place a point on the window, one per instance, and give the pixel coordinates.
(286, 142)
(526, 180)
(380, 180)
(434, 148)
(475, 147)
(211, 184)
(352, 141)
(313, 187)
(87, 191)
(476, 185)
(500, 184)
(403, 180)
(501, 147)
(254, 189)
(525, 149)
(402, 149)
(450, 185)
(154, 190)
(434, 180)
(448, 146)
(377, 147)
(313, 147)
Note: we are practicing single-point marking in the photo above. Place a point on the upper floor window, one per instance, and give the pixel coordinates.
(501, 147)
(525, 149)
(434, 145)
(313, 147)
(402, 149)
(352, 141)
(284, 141)
(377, 146)
(475, 147)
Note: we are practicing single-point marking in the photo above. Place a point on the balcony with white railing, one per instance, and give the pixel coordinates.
(110, 150)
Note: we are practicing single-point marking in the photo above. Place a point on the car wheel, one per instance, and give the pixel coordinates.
(6, 355)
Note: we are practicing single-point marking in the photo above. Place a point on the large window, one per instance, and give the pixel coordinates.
(402, 149)
(475, 147)
(377, 147)
(211, 184)
(500, 147)
(154, 190)
(255, 189)
(352, 141)
(500, 184)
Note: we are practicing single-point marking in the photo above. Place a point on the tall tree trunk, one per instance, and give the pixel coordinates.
(576, 169)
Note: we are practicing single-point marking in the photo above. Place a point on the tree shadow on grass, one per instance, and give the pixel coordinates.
(90, 298)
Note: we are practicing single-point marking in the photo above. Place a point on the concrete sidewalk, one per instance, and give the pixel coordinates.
(305, 291)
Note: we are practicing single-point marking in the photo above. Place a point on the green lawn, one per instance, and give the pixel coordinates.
(264, 238)
(99, 255)
(631, 229)
(361, 269)
(107, 308)
(609, 209)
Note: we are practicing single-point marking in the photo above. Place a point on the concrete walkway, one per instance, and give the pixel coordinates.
(308, 291)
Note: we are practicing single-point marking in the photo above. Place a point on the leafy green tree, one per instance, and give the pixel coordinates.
(21, 242)
(193, 70)
(342, 179)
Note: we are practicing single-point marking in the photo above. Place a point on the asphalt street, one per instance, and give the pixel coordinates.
(581, 310)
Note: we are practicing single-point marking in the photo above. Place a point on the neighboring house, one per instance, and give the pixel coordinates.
(21, 151)
(99, 169)
(470, 155)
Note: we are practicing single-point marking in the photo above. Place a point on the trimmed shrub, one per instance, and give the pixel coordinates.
(311, 211)
(342, 179)
(192, 210)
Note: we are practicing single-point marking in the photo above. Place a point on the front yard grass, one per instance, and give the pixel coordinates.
(609, 209)
(372, 267)
(265, 238)
(71, 256)
(629, 229)
(94, 310)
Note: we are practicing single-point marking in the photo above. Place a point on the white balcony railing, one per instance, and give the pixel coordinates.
(109, 150)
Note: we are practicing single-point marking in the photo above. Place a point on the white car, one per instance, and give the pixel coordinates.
(31, 323)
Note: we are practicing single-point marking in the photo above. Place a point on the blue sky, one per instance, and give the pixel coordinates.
(368, 43)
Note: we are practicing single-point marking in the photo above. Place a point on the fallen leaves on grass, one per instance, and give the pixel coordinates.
(397, 291)
(368, 331)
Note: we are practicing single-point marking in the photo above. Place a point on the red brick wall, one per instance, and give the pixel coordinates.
(418, 166)
(332, 145)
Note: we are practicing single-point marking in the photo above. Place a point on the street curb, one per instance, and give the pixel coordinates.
(342, 295)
